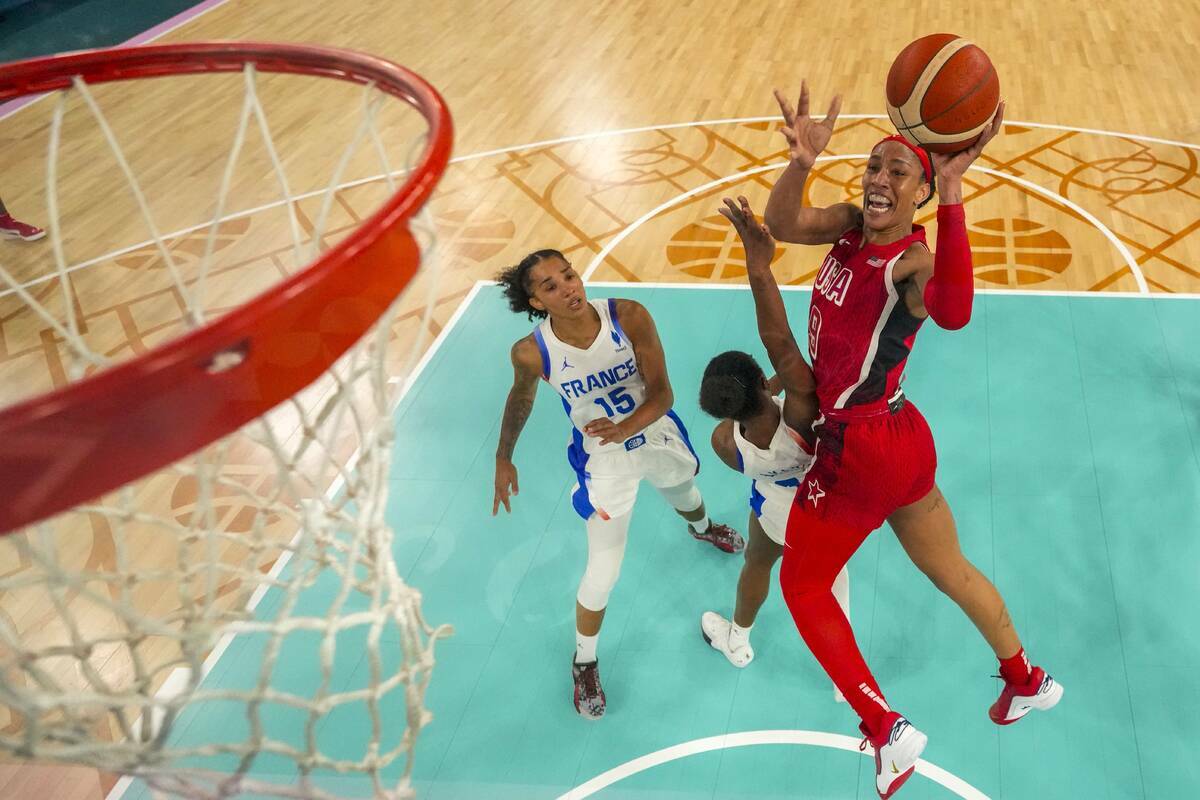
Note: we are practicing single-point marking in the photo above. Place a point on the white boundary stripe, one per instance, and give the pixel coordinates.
(129, 42)
(175, 680)
(579, 138)
(679, 198)
(1130, 261)
(747, 739)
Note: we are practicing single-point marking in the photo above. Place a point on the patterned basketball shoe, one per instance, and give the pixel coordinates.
(589, 694)
(896, 752)
(721, 536)
(1040, 692)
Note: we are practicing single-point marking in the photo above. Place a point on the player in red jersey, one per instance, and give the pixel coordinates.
(875, 457)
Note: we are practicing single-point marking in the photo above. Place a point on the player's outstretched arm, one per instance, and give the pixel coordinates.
(647, 349)
(792, 370)
(786, 215)
(527, 368)
(943, 285)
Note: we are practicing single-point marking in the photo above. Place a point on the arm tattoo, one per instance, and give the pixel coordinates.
(516, 412)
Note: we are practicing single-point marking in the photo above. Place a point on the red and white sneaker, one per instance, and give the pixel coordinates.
(896, 752)
(13, 229)
(721, 537)
(589, 694)
(1040, 692)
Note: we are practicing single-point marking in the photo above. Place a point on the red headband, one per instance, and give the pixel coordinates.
(919, 152)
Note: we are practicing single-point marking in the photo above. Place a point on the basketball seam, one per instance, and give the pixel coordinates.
(917, 81)
(932, 69)
(974, 89)
(900, 111)
(947, 138)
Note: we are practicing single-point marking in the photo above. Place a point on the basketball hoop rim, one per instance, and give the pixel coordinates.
(82, 440)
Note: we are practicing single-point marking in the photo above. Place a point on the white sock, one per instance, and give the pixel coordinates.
(585, 648)
(738, 636)
(701, 525)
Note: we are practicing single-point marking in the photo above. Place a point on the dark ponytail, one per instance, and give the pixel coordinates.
(515, 281)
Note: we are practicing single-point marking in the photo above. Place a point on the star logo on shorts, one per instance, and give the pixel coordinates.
(815, 493)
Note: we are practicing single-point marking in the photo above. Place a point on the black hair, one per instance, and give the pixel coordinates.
(731, 386)
(515, 280)
(932, 180)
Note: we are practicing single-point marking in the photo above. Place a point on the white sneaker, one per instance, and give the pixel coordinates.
(896, 753)
(715, 630)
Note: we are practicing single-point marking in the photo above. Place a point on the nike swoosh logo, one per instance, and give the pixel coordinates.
(894, 770)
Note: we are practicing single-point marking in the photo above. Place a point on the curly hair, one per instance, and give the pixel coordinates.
(515, 280)
(730, 387)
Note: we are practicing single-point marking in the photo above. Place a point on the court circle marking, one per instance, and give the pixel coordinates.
(1130, 261)
(580, 137)
(833, 741)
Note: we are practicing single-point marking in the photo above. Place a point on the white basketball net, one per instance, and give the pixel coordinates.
(265, 555)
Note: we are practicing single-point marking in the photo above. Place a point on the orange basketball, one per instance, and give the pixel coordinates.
(941, 92)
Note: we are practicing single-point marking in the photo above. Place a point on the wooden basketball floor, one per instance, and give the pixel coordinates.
(1067, 421)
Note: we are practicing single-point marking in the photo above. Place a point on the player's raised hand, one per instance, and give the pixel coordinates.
(952, 166)
(756, 238)
(506, 485)
(805, 136)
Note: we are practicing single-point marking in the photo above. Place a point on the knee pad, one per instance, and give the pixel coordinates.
(606, 550)
(685, 497)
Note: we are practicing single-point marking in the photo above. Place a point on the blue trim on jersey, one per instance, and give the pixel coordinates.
(756, 499)
(683, 432)
(577, 457)
(616, 323)
(738, 450)
(541, 343)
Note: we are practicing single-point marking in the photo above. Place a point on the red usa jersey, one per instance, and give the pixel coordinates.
(860, 331)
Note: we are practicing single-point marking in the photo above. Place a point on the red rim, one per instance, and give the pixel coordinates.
(81, 441)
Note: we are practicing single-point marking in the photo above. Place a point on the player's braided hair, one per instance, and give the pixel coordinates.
(515, 280)
(730, 387)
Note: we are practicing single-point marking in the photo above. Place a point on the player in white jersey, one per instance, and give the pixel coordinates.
(759, 436)
(606, 363)
(767, 438)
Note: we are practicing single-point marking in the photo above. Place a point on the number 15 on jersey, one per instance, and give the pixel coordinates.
(621, 402)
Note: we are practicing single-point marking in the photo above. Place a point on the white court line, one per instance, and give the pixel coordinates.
(13, 106)
(563, 140)
(176, 680)
(1130, 262)
(679, 198)
(582, 137)
(749, 738)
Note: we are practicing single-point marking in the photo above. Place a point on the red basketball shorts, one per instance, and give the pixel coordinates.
(865, 469)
